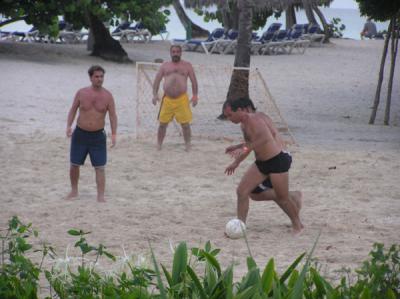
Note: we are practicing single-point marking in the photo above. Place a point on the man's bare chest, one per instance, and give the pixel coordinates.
(98, 103)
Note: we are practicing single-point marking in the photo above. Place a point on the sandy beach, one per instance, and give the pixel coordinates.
(347, 170)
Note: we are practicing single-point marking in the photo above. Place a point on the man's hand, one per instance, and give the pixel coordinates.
(68, 131)
(232, 148)
(113, 140)
(231, 168)
(155, 100)
(194, 100)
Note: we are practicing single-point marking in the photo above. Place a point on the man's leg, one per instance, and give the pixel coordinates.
(280, 182)
(74, 178)
(100, 182)
(249, 181)
(162, 130)
(187, 135)
(267, 195)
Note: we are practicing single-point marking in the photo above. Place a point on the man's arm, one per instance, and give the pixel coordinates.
(113, 121)
(193, 79)
(71, 114)
(156, 84)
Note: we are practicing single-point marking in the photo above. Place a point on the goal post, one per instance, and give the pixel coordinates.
(213, 83)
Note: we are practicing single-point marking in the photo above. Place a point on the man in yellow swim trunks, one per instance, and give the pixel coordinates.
(175, 102)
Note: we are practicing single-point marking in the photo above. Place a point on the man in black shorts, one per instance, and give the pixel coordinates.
(271, 166)
(89, 137)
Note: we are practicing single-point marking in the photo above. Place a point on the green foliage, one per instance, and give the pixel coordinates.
(380, 10)
(19, 276)
(259, 20)
(44, 14)
(336, 28)
(195, 273)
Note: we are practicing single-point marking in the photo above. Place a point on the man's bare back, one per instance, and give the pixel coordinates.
(93, 106)
(175, 77)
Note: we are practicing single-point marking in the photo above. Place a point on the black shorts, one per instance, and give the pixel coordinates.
(278, 164)
(264, 186)
(85, 142)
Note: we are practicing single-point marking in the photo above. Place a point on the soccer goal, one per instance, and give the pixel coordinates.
(213, 82)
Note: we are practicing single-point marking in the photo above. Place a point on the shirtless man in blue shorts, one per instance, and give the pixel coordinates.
(272, 163)
(89, 136)
(175, 102)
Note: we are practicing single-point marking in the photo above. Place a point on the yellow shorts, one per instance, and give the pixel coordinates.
(178, 108)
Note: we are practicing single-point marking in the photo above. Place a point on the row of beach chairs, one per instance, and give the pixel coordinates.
(273, 41)
(66, 35)
(125, 32)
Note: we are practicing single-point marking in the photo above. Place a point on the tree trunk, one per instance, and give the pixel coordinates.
(290, 17)
(309, 12)
(230, 16)
(192, 29)
(239, 85)
(323, 22)
(393, 52)
(104, 45)
(380, 78)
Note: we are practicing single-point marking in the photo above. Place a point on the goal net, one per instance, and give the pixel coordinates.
(213, 82)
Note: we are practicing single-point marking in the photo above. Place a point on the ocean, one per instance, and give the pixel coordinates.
(349, 17)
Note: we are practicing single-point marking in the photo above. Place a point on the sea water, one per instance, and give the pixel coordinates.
(349, 17)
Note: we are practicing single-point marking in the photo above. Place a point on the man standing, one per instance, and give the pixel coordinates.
(272, 162)
(89, 136)
(175, 102)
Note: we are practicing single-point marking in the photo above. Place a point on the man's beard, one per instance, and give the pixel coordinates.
(176, 58)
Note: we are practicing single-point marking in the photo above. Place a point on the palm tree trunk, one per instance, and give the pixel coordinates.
(239, 85)
(380, 78)
(290, 17)
(192, 29)
(393, 52)
(104, 45)
(323, 22)
(309, 12)
(230, 16)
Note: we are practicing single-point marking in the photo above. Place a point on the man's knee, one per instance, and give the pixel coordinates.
(242, 193)
(163, 125)
(185, 126)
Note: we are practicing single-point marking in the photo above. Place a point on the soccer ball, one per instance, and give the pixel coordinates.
(235, 228)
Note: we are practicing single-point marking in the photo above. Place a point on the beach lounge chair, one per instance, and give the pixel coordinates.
(278, 44)
(226, 45)
(29, 36)
(196, 44)
(68, 35)
(314, 35)
(128, 32)
(259, 43)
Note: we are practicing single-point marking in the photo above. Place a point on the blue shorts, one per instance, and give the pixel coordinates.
(92, 143)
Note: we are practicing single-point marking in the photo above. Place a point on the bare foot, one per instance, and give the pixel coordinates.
(159, 147)
(188, 147)
(297, 226)
(72, 195)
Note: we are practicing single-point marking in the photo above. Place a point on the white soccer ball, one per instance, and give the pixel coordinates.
(235, 228)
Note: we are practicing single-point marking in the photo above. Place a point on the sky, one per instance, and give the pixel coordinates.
(344, 4)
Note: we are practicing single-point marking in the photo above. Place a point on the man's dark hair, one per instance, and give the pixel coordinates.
(175, 46)
(242, 103)
(95, 68)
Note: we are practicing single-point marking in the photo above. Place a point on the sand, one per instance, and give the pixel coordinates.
(347, 170)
